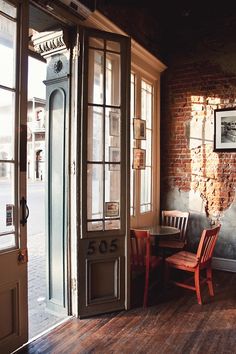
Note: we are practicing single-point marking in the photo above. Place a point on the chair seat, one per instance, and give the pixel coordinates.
(183, 259)
(154, 262)
(171, 244)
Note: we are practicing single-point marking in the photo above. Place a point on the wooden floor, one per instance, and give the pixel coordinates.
(172, 323)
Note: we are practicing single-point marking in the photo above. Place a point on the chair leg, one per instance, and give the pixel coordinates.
(209, 281)
(197, 285)
(145, 296)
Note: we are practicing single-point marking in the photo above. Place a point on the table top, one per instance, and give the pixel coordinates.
(159, 230)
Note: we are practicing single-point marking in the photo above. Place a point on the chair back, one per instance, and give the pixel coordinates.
(176, 218)
(207, 244)
(140, 248)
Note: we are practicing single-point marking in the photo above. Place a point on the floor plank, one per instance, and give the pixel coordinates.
(172, 323)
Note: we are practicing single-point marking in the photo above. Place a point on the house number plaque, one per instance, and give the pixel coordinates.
(102, 247)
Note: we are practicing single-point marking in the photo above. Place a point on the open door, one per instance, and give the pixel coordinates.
(13, 208)
(104, 198)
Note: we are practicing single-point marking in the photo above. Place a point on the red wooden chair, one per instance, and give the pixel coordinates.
(141, 259)
(177, 219)
(195, 263)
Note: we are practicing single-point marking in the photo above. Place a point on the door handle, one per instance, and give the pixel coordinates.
(24, 211)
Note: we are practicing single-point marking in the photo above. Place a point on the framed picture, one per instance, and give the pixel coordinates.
(225, 129)
(114, 156)
(114, 123)
(111, 209)
(139, 129)
(139, 159)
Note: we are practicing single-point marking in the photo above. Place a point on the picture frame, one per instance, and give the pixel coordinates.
(139, 129)
(112, 209)
(225, 130)
(114, 156)
(139, 159)
(114, 123)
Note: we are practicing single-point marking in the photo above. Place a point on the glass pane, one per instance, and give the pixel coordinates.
(7, 209)
(8, 8)
(147, 145)
(7, 52)
(95, 133)
(132, 114)
(114, 46)
(113, 79)
(95, 226)
(94, 191)
(7, 241)
(7, 110)
(112, 135)
(146, 189)
(95, 77)
(112, 224)
(96, 43)
(112, 192)
(146, 112)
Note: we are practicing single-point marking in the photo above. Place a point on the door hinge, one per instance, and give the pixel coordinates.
(22, 256)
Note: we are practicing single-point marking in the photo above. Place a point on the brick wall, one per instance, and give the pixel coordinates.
(189, 166)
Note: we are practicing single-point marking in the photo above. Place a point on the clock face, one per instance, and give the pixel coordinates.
(58, 66)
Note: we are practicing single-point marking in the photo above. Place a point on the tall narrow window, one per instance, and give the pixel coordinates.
(132, 115)
(146, 175)
(103, 141)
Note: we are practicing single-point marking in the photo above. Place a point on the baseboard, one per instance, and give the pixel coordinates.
(228, 265)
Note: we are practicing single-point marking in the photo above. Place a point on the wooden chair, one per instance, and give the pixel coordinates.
(177, 219)
(195, 263)
(141, 259)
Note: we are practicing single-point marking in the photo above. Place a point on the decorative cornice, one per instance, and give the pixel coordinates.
(48, 42)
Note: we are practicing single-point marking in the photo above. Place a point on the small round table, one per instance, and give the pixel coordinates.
(159, 231)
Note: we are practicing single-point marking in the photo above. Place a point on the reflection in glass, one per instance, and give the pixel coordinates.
(113, 46)
(96, 42)
(96, 74)
(112, 185)
(95, 226)
(7, 113)
(6, 197)
(8, 52)
(7, 8)
(112, 224)
(95, 133)
(94, 191)
(7, 241)
(112, 134)
(113, 79)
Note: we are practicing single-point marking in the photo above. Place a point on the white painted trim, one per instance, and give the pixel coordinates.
(97, 20)
(228, 265)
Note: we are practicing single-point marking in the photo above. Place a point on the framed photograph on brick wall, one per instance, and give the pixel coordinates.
(225, 129)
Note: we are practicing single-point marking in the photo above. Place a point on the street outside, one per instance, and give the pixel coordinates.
(40, 319)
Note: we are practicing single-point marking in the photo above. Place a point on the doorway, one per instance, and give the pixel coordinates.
(46, 252)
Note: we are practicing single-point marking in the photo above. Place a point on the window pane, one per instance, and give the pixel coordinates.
(112, 135)
(7, 52)
(7, 8)
(114, 46)
(95, 226)
(146, 190)
(94, 191)
(95, 133)
(7, 241)
(112, 225)
(112, 188)
(113, 79)
(132, 115)
(7, 199)
(95, 78)
(7, 114)
(96, 43)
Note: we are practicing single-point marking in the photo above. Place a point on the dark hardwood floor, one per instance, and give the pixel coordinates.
(172, 323)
